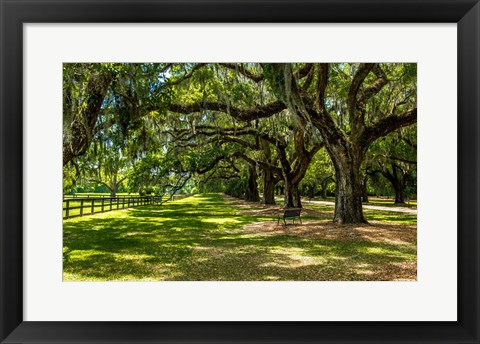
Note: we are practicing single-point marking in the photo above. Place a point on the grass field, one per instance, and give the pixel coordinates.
(210, 237)
(390, 202)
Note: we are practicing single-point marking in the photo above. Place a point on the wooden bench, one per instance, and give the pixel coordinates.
(290, 214)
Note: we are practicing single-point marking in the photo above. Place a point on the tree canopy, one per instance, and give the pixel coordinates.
(242, 128)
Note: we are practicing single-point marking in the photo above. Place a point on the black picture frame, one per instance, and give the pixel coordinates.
(466, 13)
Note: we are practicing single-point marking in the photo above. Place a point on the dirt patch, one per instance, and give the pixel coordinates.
(374, 231)
(273, 210)
(404, 271)
(276, 211)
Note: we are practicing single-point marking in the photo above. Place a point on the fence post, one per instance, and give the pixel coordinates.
(111, 200)
(67, 210)
(93, 206)
(81, 207)
(103, 204)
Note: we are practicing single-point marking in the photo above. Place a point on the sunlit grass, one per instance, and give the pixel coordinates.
(203, 238)
(390, 217)
(390, 202)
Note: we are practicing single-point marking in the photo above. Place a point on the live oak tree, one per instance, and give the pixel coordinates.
(217, 153)
(85, 87)
(206, 127)
(295, 160)
(106, 161)
(279, 154)
(351, 105)
(97, 96)
(319, 176)
(343, 107)
(395, 158)
(158, 174)
(240, 88)
(347, 124)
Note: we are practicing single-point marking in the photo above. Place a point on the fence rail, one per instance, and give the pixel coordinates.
(79, 196)
(73, 207)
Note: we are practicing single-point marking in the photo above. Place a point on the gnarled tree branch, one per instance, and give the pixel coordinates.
(258, 111)
(386, 125)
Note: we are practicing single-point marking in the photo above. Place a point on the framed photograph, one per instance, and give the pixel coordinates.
(240, 171)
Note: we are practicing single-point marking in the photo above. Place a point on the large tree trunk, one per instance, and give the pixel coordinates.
(113, 187)
(251, 194)
(268, 186)
(324, 186)
(78, 134)
(280, 190)
(348, 185)
(268, 174)
(324, 191)
(399, 195)
(364, 190)
(397, 182)
(292, 195)
(311, 191)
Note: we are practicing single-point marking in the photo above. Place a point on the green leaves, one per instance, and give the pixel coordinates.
(134, 130)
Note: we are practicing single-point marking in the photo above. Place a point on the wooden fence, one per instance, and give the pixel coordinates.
(93, 195)
(73, 207)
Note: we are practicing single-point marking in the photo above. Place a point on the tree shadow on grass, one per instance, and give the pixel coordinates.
(204, 240)
(384, 216)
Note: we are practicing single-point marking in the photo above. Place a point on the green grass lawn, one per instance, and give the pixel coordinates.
(205, 238)
(390, 202)
(390, 217)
